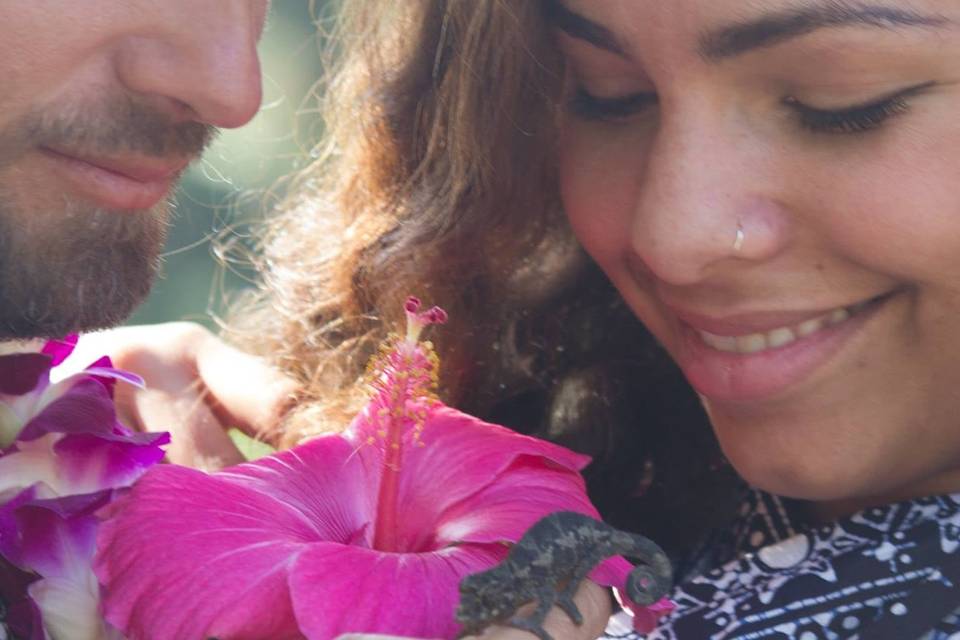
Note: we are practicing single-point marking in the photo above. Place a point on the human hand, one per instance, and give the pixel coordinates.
(592, 600)
(197, 387)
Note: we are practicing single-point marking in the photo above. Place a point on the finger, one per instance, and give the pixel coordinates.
(174, 399)
(594, 604)
(198, 439)
(241, 390)
(244, 391)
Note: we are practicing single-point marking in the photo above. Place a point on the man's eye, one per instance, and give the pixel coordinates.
(589, 107)
(856, 119)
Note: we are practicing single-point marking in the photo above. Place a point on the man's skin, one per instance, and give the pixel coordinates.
(102, 106)
(103, 103)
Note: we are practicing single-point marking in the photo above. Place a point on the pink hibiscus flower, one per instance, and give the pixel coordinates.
(370, 530)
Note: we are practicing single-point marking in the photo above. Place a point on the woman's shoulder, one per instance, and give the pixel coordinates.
(772, 575)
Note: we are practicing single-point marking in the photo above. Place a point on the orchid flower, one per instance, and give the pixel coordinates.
(64, 455)
(370, 530)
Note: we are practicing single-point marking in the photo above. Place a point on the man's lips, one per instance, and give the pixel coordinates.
(137, 168)
(121, 183)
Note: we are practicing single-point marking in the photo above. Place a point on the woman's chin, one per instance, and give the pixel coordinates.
(795, 462)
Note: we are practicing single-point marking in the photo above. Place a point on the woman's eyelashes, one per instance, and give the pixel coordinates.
(848, 120)
(856, 119)
(587, 106)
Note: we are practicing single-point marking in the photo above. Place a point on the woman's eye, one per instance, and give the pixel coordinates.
(856, 119)
(589, 107)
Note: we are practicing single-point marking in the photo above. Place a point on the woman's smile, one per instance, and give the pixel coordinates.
(753, 357)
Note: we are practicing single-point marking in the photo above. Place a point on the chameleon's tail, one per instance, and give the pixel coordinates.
(653, 577)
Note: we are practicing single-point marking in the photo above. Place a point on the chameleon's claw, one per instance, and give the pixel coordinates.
(565, 602)
(526, 624)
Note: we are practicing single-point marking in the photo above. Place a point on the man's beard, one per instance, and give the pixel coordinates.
(76, 267)
(77, 270)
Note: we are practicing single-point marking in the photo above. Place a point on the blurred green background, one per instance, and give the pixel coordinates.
(227, 188)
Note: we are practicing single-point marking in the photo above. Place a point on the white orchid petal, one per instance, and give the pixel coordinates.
(70, 607)
(34, 463)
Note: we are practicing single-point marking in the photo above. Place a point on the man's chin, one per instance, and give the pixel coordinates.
(80, 271)
(51, 319)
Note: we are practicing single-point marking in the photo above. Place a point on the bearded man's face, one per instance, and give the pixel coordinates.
(102, 106)
(76, 254)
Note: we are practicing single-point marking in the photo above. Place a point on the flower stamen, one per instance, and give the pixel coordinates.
(403, 378)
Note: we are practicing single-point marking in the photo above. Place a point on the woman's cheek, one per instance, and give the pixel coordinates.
(890, 203)
(600, 177)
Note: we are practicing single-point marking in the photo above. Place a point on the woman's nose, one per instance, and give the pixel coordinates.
(708, 198)
(200, 57)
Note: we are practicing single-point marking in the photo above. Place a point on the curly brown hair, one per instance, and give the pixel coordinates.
(437, 178)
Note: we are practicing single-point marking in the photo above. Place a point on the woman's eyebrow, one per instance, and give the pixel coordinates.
(766, 31)
(775, 28)
(577, 26)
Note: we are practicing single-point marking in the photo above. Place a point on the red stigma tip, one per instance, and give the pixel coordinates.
(436, 315)
(412, 304)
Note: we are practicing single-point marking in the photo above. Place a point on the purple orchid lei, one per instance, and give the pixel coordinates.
(63, 457)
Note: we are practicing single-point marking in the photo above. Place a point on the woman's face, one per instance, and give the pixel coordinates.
(774, 188)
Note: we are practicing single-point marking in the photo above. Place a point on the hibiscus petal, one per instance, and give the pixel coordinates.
(462, 456)
(187, 555)
(327, 479)
(525, 492)
(646, 619)
(338, 589)
(172, 550)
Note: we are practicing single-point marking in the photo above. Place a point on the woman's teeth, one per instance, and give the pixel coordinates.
(781, 336)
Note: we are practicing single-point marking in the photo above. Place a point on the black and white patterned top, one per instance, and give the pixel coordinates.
(887, 573)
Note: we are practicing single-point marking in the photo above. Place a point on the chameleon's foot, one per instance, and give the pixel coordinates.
(565, 602)
(532, 625)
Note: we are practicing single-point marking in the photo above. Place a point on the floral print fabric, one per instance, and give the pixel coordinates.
(890, 572)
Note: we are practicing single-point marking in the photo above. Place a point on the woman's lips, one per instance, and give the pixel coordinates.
(122, 184)
(751, 358)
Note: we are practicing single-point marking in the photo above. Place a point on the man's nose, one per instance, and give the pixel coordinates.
(709, 196)
(198, 57)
